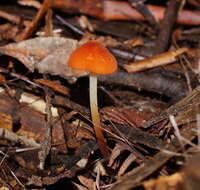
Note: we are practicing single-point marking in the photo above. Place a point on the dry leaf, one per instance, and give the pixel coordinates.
(89, 183)
(164, 182)
(80, 187)
(85, 23)
(127, 162)
(100, 169)
(4, 188)
(30, 3)
(134, 42)
(154, 61)
(114, 154)
(12, 18)
(124, 116)
(46, 54)
(118, 150)
(53, 84)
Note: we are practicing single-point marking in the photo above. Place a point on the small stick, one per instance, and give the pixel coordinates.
(139, 5)
(167, 24)
(154, 61)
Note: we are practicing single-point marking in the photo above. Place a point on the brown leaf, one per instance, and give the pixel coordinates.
(89, 183)
(54, 85)
(114, 154)
(46, 54)
(10, 17)
(80, 187)
(118, 150)
(124, 116)
(48, 180)
(130, 159)
(30, 3)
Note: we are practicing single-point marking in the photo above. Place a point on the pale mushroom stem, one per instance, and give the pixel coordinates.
(95, 115)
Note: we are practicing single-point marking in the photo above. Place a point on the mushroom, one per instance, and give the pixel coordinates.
(95, 58)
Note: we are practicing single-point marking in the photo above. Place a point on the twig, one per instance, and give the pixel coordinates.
(16, 138)
(166, 26)
(187, 103)
(29, 29)
(46, 142)
(176, 130)
(155, 61)
(121, 10)
(157, 82)
(9, 17)
(134, 178)
(69, 25)
(139, 5)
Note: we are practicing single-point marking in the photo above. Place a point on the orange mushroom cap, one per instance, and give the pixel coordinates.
(93, 57)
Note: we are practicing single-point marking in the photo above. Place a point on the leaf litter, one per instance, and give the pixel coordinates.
(46, 54)
(140, 135)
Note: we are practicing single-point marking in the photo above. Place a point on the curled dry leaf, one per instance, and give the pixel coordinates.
(30, 3)
(46, 54)
(155, 61)
(89, 183)
(127, 162)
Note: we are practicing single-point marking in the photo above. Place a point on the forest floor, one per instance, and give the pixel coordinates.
(148, 135)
